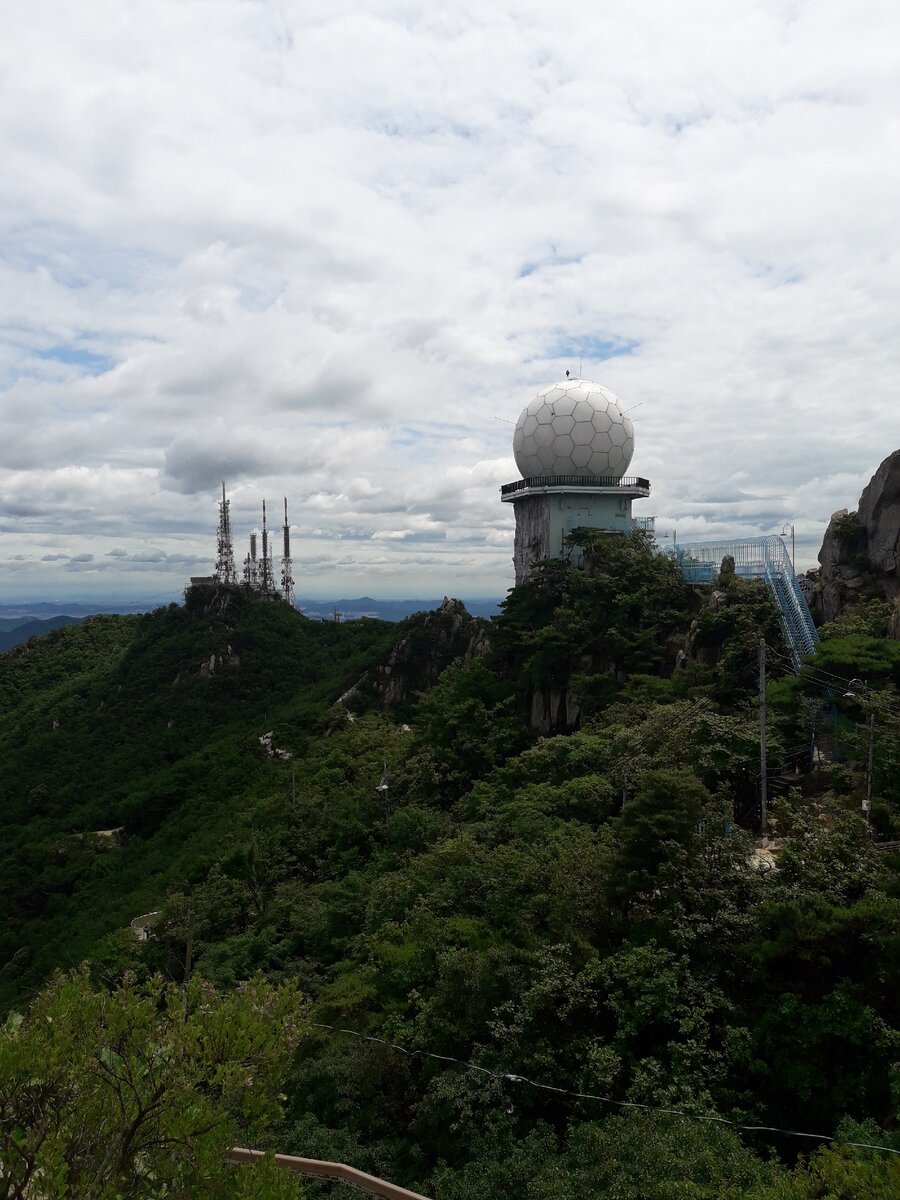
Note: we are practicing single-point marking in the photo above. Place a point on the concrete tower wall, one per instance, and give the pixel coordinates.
(544, 521)
(532, 543)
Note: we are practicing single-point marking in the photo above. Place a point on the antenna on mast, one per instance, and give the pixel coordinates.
(287, 579)
(266, 584)
(225, 571)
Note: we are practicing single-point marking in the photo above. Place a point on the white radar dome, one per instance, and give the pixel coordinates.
(574, 428)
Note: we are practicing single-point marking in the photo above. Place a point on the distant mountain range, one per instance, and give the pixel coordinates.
(16, 630)
(386, 610)
(19, 622)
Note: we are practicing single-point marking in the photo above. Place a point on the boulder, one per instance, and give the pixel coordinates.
(861, 550)
(879, 516)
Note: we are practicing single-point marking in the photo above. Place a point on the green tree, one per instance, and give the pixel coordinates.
(664, 813)
(136, 1092)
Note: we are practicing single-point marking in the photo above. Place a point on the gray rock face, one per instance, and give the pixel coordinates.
(879, 515)
(861, 551)
(532, 543)
(429, 643)
(554, 711)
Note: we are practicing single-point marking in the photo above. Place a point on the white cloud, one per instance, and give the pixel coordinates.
(317, 250)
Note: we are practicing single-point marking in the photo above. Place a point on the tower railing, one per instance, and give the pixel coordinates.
(764, 558)
(585, 481)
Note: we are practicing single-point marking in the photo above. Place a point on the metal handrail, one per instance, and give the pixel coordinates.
(316, 1168)
(764, 558)
(591, 481)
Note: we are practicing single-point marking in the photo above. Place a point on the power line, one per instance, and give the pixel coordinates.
(510, 1077)
(810, 670)
(827, 679)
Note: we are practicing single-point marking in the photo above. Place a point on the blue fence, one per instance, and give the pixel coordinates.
(764, 558)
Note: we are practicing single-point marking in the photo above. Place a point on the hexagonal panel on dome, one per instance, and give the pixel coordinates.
(544, 415)
(564, 406)
(581, 456)
(583, 410)
(599, 462)
(563, 424)
(518, 438)
(529, 425)
(617, 435)
(563, 445)
(616, 458)
(544, 435)
(601, 421)
(583, 433)
(546, 457)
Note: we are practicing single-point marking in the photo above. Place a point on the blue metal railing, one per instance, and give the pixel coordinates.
(764, 558)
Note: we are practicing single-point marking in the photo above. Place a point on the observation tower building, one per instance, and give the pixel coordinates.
(573, 444)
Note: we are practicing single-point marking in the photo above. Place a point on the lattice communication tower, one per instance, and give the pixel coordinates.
(225, 571)
(287, 579)
(251, 566)
(266, 579)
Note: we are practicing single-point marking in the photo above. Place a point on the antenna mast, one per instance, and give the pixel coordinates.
(251, 573)
(266, 583)
(287, 579)
(225, 572)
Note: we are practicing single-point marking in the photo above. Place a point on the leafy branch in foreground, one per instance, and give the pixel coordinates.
(138, 1091)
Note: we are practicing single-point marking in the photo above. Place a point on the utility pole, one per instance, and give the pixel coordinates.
(189, 949)
(867, 807)
(762, 741)
(863, 685)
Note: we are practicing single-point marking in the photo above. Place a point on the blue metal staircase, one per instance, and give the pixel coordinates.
(763, 558)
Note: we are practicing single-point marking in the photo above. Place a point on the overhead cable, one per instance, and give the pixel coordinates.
(510, 1077)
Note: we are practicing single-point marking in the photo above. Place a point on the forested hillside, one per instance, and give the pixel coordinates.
(529, 863)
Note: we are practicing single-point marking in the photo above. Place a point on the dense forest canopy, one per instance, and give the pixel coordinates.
(531, 857)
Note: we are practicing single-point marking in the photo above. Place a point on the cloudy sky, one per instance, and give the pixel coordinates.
(319, 248)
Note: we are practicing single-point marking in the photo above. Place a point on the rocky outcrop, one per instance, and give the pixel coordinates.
(710, 629)
(554, 711)
(532, 541)
(879, 516)
(429, 642)
(860, 553)
(216, 661)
